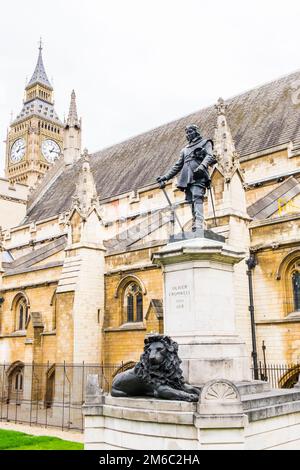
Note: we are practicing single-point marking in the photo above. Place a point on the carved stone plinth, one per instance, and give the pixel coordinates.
(199, 311)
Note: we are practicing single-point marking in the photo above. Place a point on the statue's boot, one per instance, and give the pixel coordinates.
(194, 218)
(198, 216)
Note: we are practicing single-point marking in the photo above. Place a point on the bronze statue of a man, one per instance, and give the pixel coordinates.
(194, 178)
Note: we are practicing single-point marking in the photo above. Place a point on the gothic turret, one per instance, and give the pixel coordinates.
(86, 196)
(72, 134)
(226, 154)
(228, 183)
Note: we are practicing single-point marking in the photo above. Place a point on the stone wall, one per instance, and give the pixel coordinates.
(218, 422)
(124, 342)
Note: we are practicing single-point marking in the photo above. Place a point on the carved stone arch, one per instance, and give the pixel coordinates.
(129, 294)
(286, 262)
(15, 380)
(17, 297)
(126, 280)
(53, 298)
(284, 275)
(13, 366)
(21, 317)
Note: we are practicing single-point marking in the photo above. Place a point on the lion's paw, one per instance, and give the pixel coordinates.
(193, 397)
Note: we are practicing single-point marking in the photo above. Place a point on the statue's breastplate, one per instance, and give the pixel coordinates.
(193, 152)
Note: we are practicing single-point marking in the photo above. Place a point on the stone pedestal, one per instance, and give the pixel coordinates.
(242, 416)
(199, 311)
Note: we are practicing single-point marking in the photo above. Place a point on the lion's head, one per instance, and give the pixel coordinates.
(159, 364)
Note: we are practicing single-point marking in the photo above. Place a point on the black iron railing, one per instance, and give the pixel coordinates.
(50, 394)
(278, 375)
(53, 394)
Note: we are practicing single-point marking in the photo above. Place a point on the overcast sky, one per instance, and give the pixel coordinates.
(136, 64)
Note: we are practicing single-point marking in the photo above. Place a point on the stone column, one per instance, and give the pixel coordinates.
(199, 308)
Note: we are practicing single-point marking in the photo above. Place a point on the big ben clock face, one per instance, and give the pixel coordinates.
(50, 150)
(17, 151)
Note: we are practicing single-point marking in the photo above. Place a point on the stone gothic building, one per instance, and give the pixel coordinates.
(77, 281)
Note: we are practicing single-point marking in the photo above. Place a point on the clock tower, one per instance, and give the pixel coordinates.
(35, 137)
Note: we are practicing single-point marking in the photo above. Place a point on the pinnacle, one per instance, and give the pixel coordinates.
(39, 74)
(73, 116)
(224, 144)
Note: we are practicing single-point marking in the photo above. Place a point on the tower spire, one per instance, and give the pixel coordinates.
(41, 138)
(39, 74)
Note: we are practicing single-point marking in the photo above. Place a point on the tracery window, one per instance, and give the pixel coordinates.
(15, 375)
(296, 289)
(133, 303)
(21, 314)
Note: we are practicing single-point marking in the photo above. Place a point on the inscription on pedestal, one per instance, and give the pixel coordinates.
(180, 296)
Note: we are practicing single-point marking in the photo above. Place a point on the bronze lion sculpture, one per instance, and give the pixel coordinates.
(157, 374)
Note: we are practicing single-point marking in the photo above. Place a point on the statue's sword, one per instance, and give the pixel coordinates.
(162, 186)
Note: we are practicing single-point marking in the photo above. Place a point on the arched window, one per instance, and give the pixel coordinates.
(15, 374)
(21, 314)
(133, 303)
(288, 273)
(19, 381)
(50, 387)
(296, 290)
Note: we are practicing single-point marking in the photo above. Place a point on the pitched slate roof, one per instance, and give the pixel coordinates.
(259, 119)
(137, 232)
(39, 108)
(26, 262)
(275, 199)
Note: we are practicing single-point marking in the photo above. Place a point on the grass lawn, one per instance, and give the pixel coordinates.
(13, 440)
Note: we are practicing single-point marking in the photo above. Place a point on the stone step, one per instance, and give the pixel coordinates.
(269, 398)
(253, 387)
(258, 414)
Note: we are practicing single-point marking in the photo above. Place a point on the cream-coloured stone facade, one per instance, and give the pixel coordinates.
(77, 281)
(13, 202)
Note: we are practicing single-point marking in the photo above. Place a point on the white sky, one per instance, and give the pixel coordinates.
(136, 64)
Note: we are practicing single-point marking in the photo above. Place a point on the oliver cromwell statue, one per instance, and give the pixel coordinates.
(194, 177)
